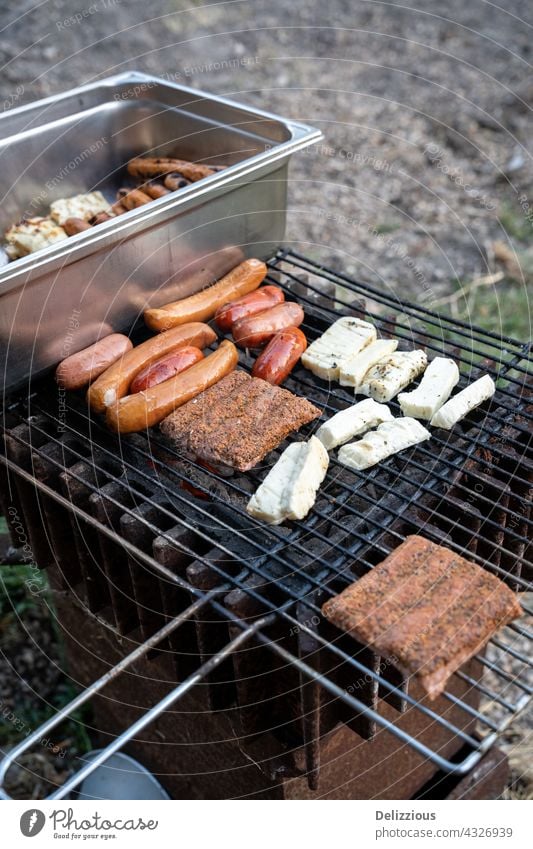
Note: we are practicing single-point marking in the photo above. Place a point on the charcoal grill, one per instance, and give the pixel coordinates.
(188, 612)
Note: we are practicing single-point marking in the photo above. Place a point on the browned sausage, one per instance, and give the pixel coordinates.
(280, 356)
(176, 181)
(79, 369)
(115, 382)
(157, 166)
(166, 367)
(118, 208)
(257, 330)
(148, 408)
(75, 225)
(99, 218)
(201, 307)
(134, 198)
(255, 302)
(155, 190)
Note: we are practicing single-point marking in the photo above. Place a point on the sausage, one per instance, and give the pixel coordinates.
(280, 356)
(155, 190)
(239, 281)
(118, 208)
(149, 167)
(79, 369)
(115, 382)
(175, 180)
(257, 330)
(99, 218)
(251, 304)
(149, 407)
(166, 367)
(75, 225)
(134, 199)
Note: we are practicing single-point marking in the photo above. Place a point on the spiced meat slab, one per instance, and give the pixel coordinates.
(426, 608)
(238, 421)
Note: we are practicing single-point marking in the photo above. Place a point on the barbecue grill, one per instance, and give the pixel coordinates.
(197, 632)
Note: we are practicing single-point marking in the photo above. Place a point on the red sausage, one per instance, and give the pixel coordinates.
(166, 367)
(280, 356)
(257, 330)
(250, 304)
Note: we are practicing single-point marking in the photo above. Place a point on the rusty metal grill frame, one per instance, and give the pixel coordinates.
(318, 556)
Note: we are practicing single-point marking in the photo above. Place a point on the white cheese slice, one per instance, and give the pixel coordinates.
(468, 399)
(392, 374)
(289, 490)
(388, 439)
(80, 206)
(346, 337)
(352, 422)
(434, 390)
(354, 369)
(32, 235)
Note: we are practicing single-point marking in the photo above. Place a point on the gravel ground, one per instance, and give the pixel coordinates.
(424, 180)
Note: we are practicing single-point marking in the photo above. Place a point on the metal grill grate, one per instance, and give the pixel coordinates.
(182, 526)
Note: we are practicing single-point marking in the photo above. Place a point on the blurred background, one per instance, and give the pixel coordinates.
(423, 183)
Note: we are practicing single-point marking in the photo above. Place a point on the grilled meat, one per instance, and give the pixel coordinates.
(426, 608)
(238, 421)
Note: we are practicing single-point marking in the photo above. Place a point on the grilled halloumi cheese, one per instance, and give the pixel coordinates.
(434, 390)
(79, 206)
(352, 422)
(344, 339)
(389, 438)
(32, 235)
(392, 374)
(352, 371)
(461, 404)
(289, 490)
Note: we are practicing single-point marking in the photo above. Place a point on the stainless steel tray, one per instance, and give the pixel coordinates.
(55, 302)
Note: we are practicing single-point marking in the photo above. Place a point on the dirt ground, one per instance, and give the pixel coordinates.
(424, 177)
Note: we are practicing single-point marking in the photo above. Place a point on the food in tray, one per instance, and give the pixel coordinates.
(289, 490)
(166, 367)
(157, 166)
(149, 407)
(352, 422)
(155, 190)
(244, 278)
(132, 198)
(114, 383)
(392, 374)
(433, 391)
(277, 360)
(426, 608)
(72, 226)
(255, 331)
(353, 370)
(259, 301)
(389, 438)
(339, 343)
(82, 206)
(238, 421)
(32, 235)
(73, 215)
(80, 369)
(464, 402)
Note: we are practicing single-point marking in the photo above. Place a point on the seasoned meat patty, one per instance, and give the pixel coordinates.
(426, 608)
(238, 421)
